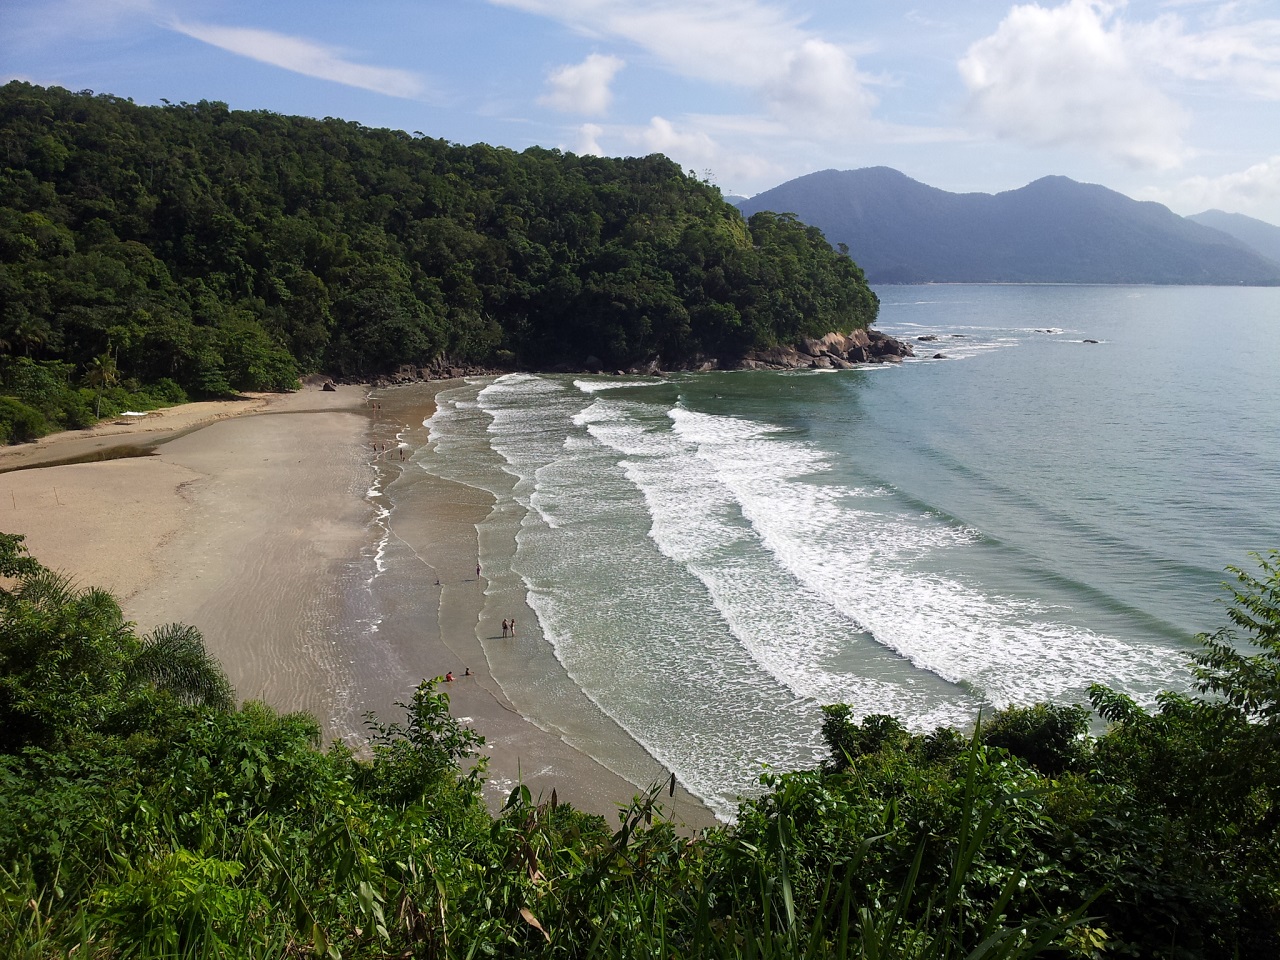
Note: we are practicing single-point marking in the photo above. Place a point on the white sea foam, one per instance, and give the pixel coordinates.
(731, 567)
(633, 629)
(868, 565)
(596, 386)
(787, 629)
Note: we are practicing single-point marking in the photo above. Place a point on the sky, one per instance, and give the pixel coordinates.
(1176, 101)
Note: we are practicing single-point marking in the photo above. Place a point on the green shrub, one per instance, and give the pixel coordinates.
(20, 423)
(166, 392)
(1049, 736)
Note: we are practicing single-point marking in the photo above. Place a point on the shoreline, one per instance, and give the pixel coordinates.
(444, 529)
(260, 530)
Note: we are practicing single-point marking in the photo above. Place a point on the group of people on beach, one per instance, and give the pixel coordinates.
(448, 676)
(509, 627)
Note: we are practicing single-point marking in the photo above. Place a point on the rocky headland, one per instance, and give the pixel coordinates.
(835, 351)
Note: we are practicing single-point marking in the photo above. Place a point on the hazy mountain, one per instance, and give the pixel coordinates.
(1258, 234)
(1051, 231)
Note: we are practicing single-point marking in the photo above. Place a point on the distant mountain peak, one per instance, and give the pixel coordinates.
(1258, 235)
(1053, 230)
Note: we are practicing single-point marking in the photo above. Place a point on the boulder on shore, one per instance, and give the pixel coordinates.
(834, 351)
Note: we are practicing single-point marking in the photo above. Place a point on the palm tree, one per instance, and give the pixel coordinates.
(173, 658)
(27, 333)
(62, 655)
(102, 374)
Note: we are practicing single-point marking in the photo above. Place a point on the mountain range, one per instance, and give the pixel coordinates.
(1258, 234)
(1054, 230)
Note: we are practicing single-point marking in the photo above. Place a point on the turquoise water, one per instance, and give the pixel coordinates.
(710, 557)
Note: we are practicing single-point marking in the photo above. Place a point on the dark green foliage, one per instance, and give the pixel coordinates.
(1049, 736)
(848, 741)
(1251, 683)
(39, 396)
(71, 664)
(62, 656)
(19, 422)
(1205, 775)
(173, 659)
(140, 816)
(413, 758)
(227, 250)
(16, 561)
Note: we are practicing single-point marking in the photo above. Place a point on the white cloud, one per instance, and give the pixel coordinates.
(752, 45)
(694, 149)
(589, 140)
(306, 57)
(691, 147)
(583, 87)
(1068, 76)
(1244, 56)
(820, 83)
(1254, 191)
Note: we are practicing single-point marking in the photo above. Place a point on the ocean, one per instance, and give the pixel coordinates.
(712, 557)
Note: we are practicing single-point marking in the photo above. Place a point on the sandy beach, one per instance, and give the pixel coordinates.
(253, 521)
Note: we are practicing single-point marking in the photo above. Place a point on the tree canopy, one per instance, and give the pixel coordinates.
(220, 250)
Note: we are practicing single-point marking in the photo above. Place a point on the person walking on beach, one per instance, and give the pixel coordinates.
(505, 627)
(513, 626)
(477, 571)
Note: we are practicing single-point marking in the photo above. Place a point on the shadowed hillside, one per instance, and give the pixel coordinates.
(1051, 231)
(1263, 237)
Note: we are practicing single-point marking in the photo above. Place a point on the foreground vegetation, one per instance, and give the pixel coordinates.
(142, 814)
(192, 249)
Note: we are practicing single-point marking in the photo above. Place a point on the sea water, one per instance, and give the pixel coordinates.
(1048, 504)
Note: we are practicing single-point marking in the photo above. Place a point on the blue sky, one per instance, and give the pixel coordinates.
(1176, 101)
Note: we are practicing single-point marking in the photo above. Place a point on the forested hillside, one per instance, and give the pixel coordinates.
(217, 250)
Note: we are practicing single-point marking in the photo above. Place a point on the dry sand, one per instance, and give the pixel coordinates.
(258, 531)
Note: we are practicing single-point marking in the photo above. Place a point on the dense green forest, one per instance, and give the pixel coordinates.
(194, 250)
(144, 814)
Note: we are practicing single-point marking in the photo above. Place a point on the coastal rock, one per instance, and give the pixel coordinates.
(835, 351)
(885, 347)
(650, 369)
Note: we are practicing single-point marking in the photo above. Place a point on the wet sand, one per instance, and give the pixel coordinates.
(432, 548)
(258, 530)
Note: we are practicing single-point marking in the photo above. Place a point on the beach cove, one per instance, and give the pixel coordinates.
(258, 521)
